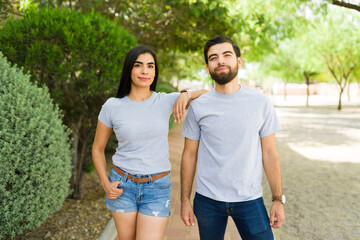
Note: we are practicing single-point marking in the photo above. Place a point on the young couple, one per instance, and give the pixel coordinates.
(229, 137)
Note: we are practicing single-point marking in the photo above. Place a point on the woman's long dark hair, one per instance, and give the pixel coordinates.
(125, 81)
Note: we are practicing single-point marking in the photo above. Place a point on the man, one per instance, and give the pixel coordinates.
(230, 135)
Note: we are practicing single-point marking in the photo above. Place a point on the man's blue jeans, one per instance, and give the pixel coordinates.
(250, 218)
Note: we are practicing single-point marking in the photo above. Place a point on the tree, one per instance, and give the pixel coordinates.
(260, 25)
(163, 24)
(79, 57)
(281, 64)
(295, 61)
(346, 4)
(35, 154)
(338, 42)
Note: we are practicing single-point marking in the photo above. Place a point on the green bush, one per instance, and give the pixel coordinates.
(35, 155)
(79, 57)
(166, 87)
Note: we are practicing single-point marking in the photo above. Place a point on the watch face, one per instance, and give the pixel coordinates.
(283, 199)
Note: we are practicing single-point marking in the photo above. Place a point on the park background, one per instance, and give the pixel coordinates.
(305, 54)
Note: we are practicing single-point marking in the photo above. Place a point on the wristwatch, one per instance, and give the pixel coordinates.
(188, 93)
(281, 199)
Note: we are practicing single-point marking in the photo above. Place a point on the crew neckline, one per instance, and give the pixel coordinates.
(228, 95)
(139, 102)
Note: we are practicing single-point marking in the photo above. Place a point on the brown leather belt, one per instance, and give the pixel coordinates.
(140, 179)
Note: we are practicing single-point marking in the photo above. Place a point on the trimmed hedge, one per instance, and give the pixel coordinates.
(79, 57)
(35, 155)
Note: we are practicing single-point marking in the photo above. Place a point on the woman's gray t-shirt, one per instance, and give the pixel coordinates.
(141, 128)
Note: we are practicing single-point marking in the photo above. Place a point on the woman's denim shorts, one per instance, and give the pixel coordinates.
(151, 198)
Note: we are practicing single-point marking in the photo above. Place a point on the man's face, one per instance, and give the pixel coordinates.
(223, 64)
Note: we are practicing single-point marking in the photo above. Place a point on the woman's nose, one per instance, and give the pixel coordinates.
(145, 70)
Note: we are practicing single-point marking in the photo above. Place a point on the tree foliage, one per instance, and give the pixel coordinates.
(78, 56)
(166, 24)
(35, 155)
(338, 43)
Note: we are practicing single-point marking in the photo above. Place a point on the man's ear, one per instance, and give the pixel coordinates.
(240, 62)
(207, 69)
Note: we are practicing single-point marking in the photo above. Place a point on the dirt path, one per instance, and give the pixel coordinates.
(319, 150)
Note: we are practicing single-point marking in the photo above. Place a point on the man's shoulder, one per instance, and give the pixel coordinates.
(204, 98)
(255, 94)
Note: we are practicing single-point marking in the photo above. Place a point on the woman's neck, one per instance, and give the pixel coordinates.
(139, 94)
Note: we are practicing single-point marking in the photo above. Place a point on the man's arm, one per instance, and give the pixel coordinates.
(271, 165)
(188, 167)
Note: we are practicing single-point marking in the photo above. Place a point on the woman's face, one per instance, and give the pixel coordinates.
(143, 72)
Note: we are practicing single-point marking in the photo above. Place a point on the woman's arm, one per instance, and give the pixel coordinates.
(183, 102)
(98, 154)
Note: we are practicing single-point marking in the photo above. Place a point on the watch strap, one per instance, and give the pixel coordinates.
(280, 198)
(188, 93)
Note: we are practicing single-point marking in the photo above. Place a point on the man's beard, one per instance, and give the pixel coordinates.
(222, 77)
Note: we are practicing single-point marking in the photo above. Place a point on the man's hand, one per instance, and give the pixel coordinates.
(277, 216)
(180, 107)
(111, 190)
(187, 213)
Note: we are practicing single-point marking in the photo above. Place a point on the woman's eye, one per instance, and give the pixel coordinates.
(137, 65)
(151, 66)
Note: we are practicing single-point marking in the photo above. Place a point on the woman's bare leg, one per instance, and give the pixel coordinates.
(125, 225)
(150, 227)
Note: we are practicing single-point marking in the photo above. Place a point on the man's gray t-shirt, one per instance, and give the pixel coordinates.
(141, 129)
(230, 128)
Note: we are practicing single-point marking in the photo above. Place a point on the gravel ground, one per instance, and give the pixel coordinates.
(77, 219)
(319, 150)
(320, 161)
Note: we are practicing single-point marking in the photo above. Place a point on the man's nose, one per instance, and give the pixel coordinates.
(221, 61)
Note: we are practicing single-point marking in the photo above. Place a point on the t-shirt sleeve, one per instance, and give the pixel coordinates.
(271, 124)
(105, 114)
(191, 128)
(172, 97)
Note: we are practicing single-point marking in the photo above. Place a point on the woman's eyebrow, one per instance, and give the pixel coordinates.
(143, 63)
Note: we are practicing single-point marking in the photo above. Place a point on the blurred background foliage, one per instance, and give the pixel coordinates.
(177, 29)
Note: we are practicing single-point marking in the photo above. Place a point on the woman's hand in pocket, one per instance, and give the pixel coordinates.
(112, 191)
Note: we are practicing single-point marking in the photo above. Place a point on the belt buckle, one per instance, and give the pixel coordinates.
(138, 179)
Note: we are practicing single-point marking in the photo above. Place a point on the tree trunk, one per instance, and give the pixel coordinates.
(75, 128)
(307, 90)
(75, 145)
(341, 91)
(77, 189)
(348, 92)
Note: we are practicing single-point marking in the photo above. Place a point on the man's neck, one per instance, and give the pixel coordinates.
(228, 88)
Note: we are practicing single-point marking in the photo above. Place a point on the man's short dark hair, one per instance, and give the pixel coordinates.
(217, 40)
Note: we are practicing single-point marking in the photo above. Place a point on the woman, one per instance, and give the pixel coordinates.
(138, 188)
